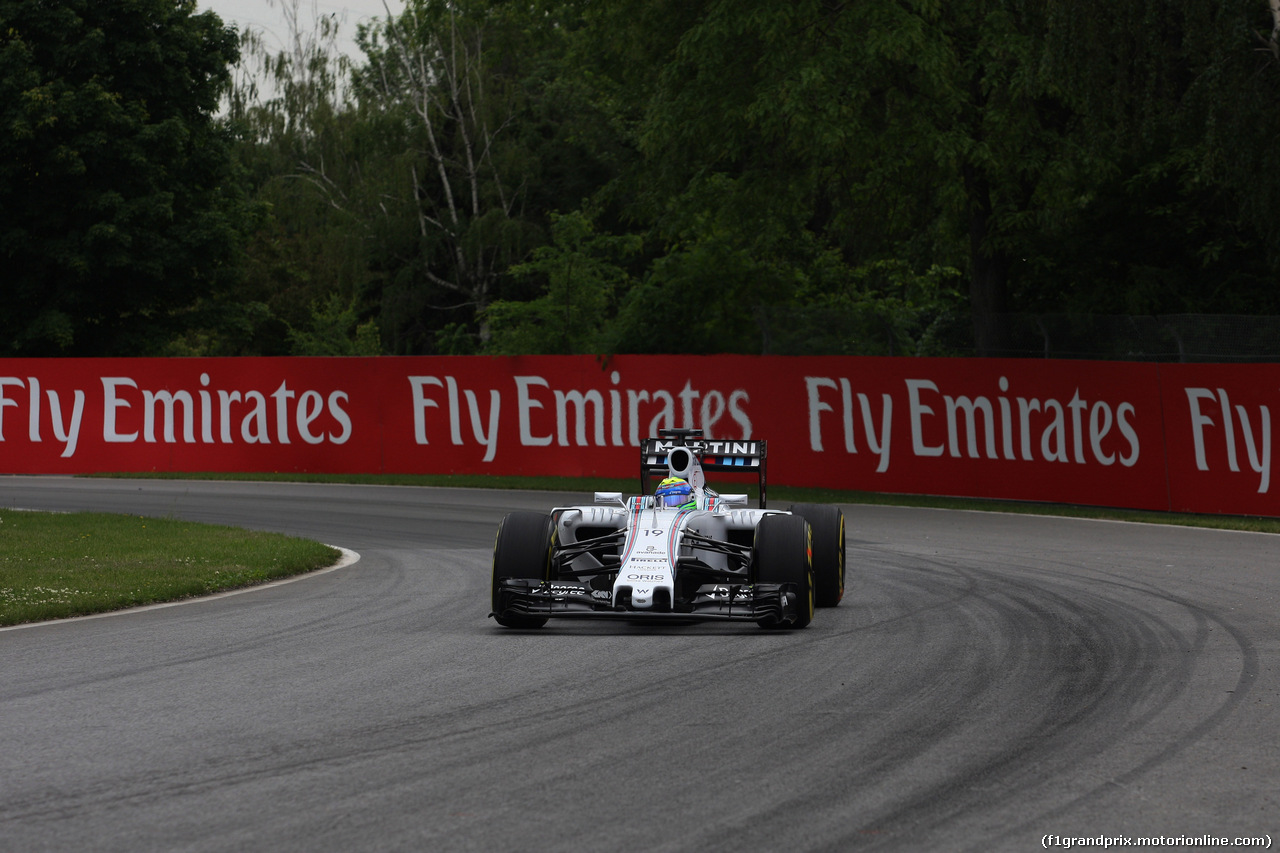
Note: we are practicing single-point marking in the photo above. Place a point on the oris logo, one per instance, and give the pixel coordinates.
(635, 577)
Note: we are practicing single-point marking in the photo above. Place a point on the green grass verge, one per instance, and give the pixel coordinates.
(55, 565)
(779, 496)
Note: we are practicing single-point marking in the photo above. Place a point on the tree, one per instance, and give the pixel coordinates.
(582, 280)
(318, 165)
(899, 131)
(410, 182)
(118, 203)
(432, 67)
(1182, 101)
(801, 177)
(335, 329)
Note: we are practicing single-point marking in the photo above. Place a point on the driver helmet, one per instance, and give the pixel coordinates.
(676, 493)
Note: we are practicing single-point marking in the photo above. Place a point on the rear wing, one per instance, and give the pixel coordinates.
(678, 452)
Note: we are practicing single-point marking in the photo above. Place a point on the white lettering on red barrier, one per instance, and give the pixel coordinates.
(1259, 462)
(878, 443)
(961, 426)
(161, 410)
(66, 431)
(548, 415)
(1181, 437)
(487, 440)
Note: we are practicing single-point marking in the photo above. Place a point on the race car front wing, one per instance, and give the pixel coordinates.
(761, 602)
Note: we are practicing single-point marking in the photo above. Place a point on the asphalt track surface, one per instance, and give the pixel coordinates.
(989, 680)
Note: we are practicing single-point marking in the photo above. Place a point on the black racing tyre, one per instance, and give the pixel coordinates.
(783, 553)
(522, 550)
(827, 522)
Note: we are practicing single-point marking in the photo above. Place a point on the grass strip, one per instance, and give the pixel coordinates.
(56, 565)
(779, 496)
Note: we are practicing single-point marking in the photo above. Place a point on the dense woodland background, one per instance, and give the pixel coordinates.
(610, 176)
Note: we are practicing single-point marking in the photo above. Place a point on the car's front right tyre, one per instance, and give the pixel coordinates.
(783, 554)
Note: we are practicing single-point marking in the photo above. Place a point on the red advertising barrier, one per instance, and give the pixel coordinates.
(1182, 437)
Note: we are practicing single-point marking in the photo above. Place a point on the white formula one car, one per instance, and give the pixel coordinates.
(708, 558)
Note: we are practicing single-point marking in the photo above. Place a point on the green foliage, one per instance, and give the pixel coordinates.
(897, 132)
(321, 169)
(582, 281)
(335, 329)
(1179, 101)
(223, 327)
(881, 308)
(118, 203)
(453, 74)
(577, 176)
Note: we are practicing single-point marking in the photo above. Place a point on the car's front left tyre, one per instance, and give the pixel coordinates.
(522, 550)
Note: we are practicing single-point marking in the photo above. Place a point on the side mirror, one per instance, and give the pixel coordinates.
(735, 500)
(609, 498)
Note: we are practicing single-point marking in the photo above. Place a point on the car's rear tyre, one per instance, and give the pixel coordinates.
(522, 550)
(783, 553)
(827, 522)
